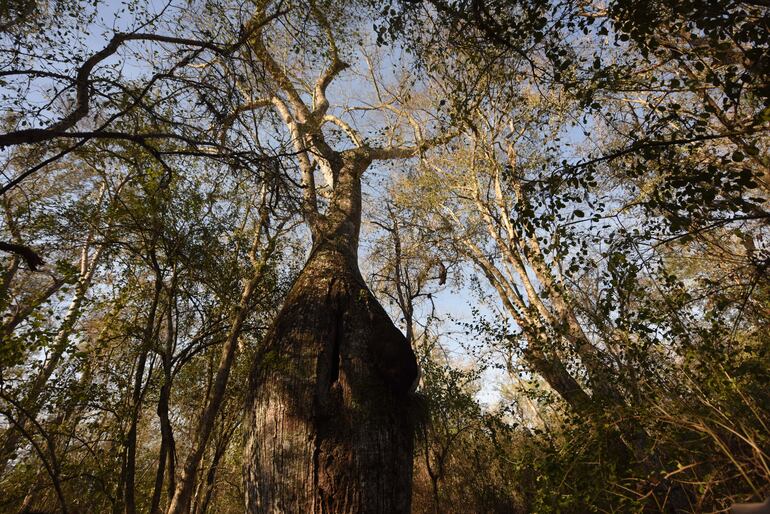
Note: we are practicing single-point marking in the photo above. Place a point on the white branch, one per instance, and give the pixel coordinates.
(350, 131)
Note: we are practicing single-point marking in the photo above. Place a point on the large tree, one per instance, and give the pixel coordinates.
(328, 422)
(183, 198)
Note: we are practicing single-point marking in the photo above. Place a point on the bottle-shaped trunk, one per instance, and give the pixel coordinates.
(328, 428)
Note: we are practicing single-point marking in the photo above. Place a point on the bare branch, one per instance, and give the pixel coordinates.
(310, 202)
(405, 152)
(82, 80)
(350, 131)
(248, 106)
(320, 102)
(83, 91)
(257, 45)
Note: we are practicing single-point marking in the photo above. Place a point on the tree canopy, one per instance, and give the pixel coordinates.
(403, 256)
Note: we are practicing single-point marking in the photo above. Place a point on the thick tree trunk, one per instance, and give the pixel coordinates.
(327, 426)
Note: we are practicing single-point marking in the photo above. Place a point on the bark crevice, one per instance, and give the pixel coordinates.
(328, 427)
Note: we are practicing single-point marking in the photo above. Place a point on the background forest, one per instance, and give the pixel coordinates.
(561, 204)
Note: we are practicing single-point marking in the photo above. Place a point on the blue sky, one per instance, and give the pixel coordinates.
(453, 304)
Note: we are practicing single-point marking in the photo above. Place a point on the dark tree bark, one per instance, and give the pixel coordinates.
(327, 425)
(32, 259)
(129, 499)
(167, 453)
(136, 398)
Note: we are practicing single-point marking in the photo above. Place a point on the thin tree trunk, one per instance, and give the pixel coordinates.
(434, 478)
(136, 398)
(167, 451)
(117, 506)
(180, 503)
(545, 364)
(34, 397)
(167, 446)
(207, 489)
(130, 501)
(157, 491)
(58, 440)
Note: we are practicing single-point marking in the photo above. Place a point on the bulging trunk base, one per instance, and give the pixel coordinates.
(328, 429)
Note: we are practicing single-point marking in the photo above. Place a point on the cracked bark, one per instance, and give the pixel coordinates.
(327, 429)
